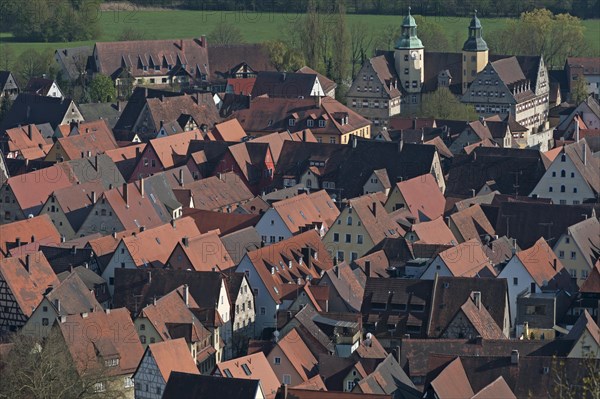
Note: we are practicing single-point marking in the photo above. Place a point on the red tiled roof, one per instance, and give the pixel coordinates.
(481, 320)
(172, 149)
(539, 261)
(472, 223)
(467, 260)
(207, 252)
(89, 349)
(25, 137)
(173, 355)
(214, 193)
(452, 382)
(592, 283)
(39, 228)
(230, 130)
(495, 390)
(95, 137)
(298, 354)
(258, 369)
(375, 219)
(301, 210)
(434, 232)
(240, 86)
(28, 277)
(423, 197)
(137, 211)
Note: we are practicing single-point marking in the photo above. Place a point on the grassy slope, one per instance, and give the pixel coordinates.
(257, 27)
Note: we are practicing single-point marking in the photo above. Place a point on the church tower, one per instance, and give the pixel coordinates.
(475, 53)
(409, 57)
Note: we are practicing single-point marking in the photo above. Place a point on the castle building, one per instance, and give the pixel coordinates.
(393, 82)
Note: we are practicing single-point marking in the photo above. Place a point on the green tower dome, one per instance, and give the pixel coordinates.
(409, 38)
(475, 41)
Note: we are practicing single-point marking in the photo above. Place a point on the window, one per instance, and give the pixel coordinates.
(553, 174)
(287, 379)
(263, 311)
(515, 281)
(349, 221)
(99, 387)
(45, 308)
(350, 385)
(272, 239)
(550, 189)
(575, 189)
(348, 238)
(44, 321)
(563, 173)
(359, 239)
(291, 122)
(353, 256)
(336, 237)
(158, 390)
(563, 189)
(573, 255)
(277, 360)
(561, 254)
(340, 256)
(572, 174)
(310, 122)
(143, 339)
(321, 123)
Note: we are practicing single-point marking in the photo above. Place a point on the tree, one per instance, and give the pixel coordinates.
(7, 57)
(360, 44)
(282, 57)
(386, 38)
(102, 89)
(45, 370)
(34, 64)
(311, 31)
(536, 32)
(442, 104)
(5, 105)
(226, 33)
(340, 41)
(131, 34)
(579, 92)
(432, 34)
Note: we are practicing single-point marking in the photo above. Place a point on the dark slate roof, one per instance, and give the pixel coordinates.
(135, 104)
(136, 288)
(222, 59)
(63, 259)
(503, 165)
(284, 84)
(107, 111)
(97, 168)
(529, 221)
(30, 108)
(39, 86)
(452, 292)
(389, 378)
(397, 291)
(192, 386)
(21, 166)
(350, 167)
(412, 350)
(73, 58)
(4, 75)
(241, 242)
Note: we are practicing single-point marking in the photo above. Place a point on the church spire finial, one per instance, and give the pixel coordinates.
(475, 12)
(409, 8)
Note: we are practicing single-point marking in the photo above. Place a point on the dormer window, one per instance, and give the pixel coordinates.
(310, 123)
(321, 123)
(157, 67)
(145, 67)
(291, 122)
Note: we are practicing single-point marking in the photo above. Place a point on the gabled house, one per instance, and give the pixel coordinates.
(251, 367)
(277, 269)
(473, 320)
(163, 153)
(421, 196)
(203, 253)
(70, 297)
(361, 225)
(586, 336)
(159, 361)
(291, 360)
(223, 193)
(43, 87)
(251, 161)
(23, 283)
(535, 269)
(431, 232)
(8, 86)
(32, 109)
(327, 85)
(586, 113)
(86, 140)
(116, 358)
(287, 85)
(297, 214)
(68, 207)
(579, 248)
(26, 194)
(124, 208)
(230, 130)
(26, 142)
(148, 248)
(346, 289)
(471, 224)
(388, 378)
(572, 178)
(467, 259)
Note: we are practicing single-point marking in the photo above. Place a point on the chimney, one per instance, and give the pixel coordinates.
(375, 209)
(119, 106)
(554, 263)
(162, 122)
(137, 152)
(114, 234)
(284, 391)
(337, 271)
(29, 132)
(57, 305)
(142, 191)
(415, 123)
(125, 195)
(514, 357)
(96, 162)
(27, 262)
(94, 197)
(186, 295)
(304, 136)
(149, 277)
(18, 241)
(584, 155)
(185, 241)
(576, 131)
(181, 177)
(401, 142)
(145, 92)
(477, 299)
(63, 238)
(354, 142)
(532, 289)
(173, 223)
(203, 41)
(73, 249)
(181, 44)
(368, 268)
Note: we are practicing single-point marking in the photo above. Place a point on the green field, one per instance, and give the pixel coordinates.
(257, 27)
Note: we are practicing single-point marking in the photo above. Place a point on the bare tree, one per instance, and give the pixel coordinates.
(226, 33)
(361, 41)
